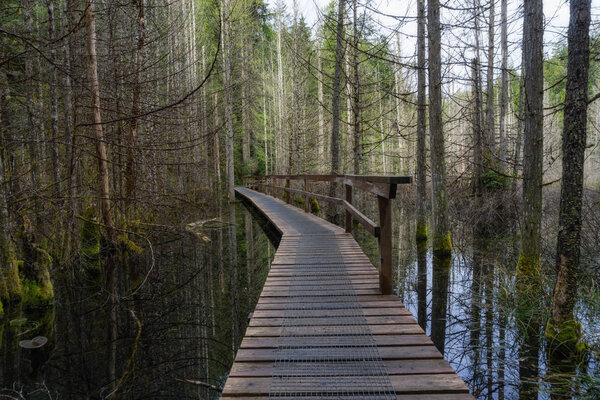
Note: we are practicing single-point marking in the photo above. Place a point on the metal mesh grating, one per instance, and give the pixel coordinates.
(326, 349)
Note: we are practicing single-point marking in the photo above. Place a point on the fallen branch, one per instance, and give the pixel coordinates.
(200, 383)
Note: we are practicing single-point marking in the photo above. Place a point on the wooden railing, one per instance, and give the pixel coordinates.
(384, 187)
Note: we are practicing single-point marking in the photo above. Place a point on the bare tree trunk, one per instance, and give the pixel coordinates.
(111, 262)
(53, 100)
(490, 125)
(228, 101)
(130, 169)
(244, 112)
(397, 75)
(564, 329)
(356, 93)
(33, 122)
(528, 268)
(216, 139)
(295, 131)
(322, 141)
(442, 244)
(504, 93)
(335, 101)
(421, 228)
(280, 88)
(477, 131)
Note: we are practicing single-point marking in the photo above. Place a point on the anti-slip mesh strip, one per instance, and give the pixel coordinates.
(326, 349)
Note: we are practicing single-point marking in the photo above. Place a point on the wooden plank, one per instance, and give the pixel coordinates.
(332, 299)
(431, 396)
(274, 331)
(366, 305)
(402, 384)
(315, 293)
(385, 352)
(332, 312)
(380, 340)
(393, 367)
(326, 321)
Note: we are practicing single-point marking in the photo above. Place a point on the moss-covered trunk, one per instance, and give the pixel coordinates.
(563, 331)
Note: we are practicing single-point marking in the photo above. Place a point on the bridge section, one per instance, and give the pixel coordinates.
(322, 328)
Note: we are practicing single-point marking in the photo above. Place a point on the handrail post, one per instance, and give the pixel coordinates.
(306, 196)
(287, 194)
(275, 187)
(385, 245)
(348, 215)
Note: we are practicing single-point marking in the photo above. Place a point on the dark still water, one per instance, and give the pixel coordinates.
(192, 313)
(178, 334)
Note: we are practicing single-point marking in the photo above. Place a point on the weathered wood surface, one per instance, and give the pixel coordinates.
(416, 369)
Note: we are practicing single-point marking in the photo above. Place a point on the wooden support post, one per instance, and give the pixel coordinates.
(348, 215)
(306, 189)
(385, 245)
(274, 187)
(287, 194)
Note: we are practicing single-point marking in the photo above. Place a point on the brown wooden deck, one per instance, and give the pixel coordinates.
(306, 340)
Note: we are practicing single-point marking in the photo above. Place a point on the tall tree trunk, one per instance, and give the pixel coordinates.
(528, 268)
(397, 82)
(477, 131)
(504, 93)
(322, 140)
(130, 169)
(53, 100)
(421, 228)
(111, 262)
(245, 114)
(490, 123)
(564, 329)
(356, 93)
(442, 244)
(34, 124)
(216, 143)
(335, 100)
(280, 88)
(228, 100)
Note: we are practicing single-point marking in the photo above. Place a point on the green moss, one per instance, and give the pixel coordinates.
(37, 287)
(444, 246)
(564, 341)
(127, 246)
(528, 272)
(1, 308)
(298, 201)
(314, 205)
(10, 285)
(35, 294)
(493, 181)
(90, 239)
(11, 280)
(421, 233)
(528, 285)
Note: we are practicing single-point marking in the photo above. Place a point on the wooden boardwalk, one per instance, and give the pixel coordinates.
(321, 328)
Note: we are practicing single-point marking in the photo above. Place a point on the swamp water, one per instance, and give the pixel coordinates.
(179, 332)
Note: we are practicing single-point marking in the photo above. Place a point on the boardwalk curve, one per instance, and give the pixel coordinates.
(321, 328)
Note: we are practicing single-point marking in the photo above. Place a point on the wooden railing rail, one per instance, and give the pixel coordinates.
(384, 187)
